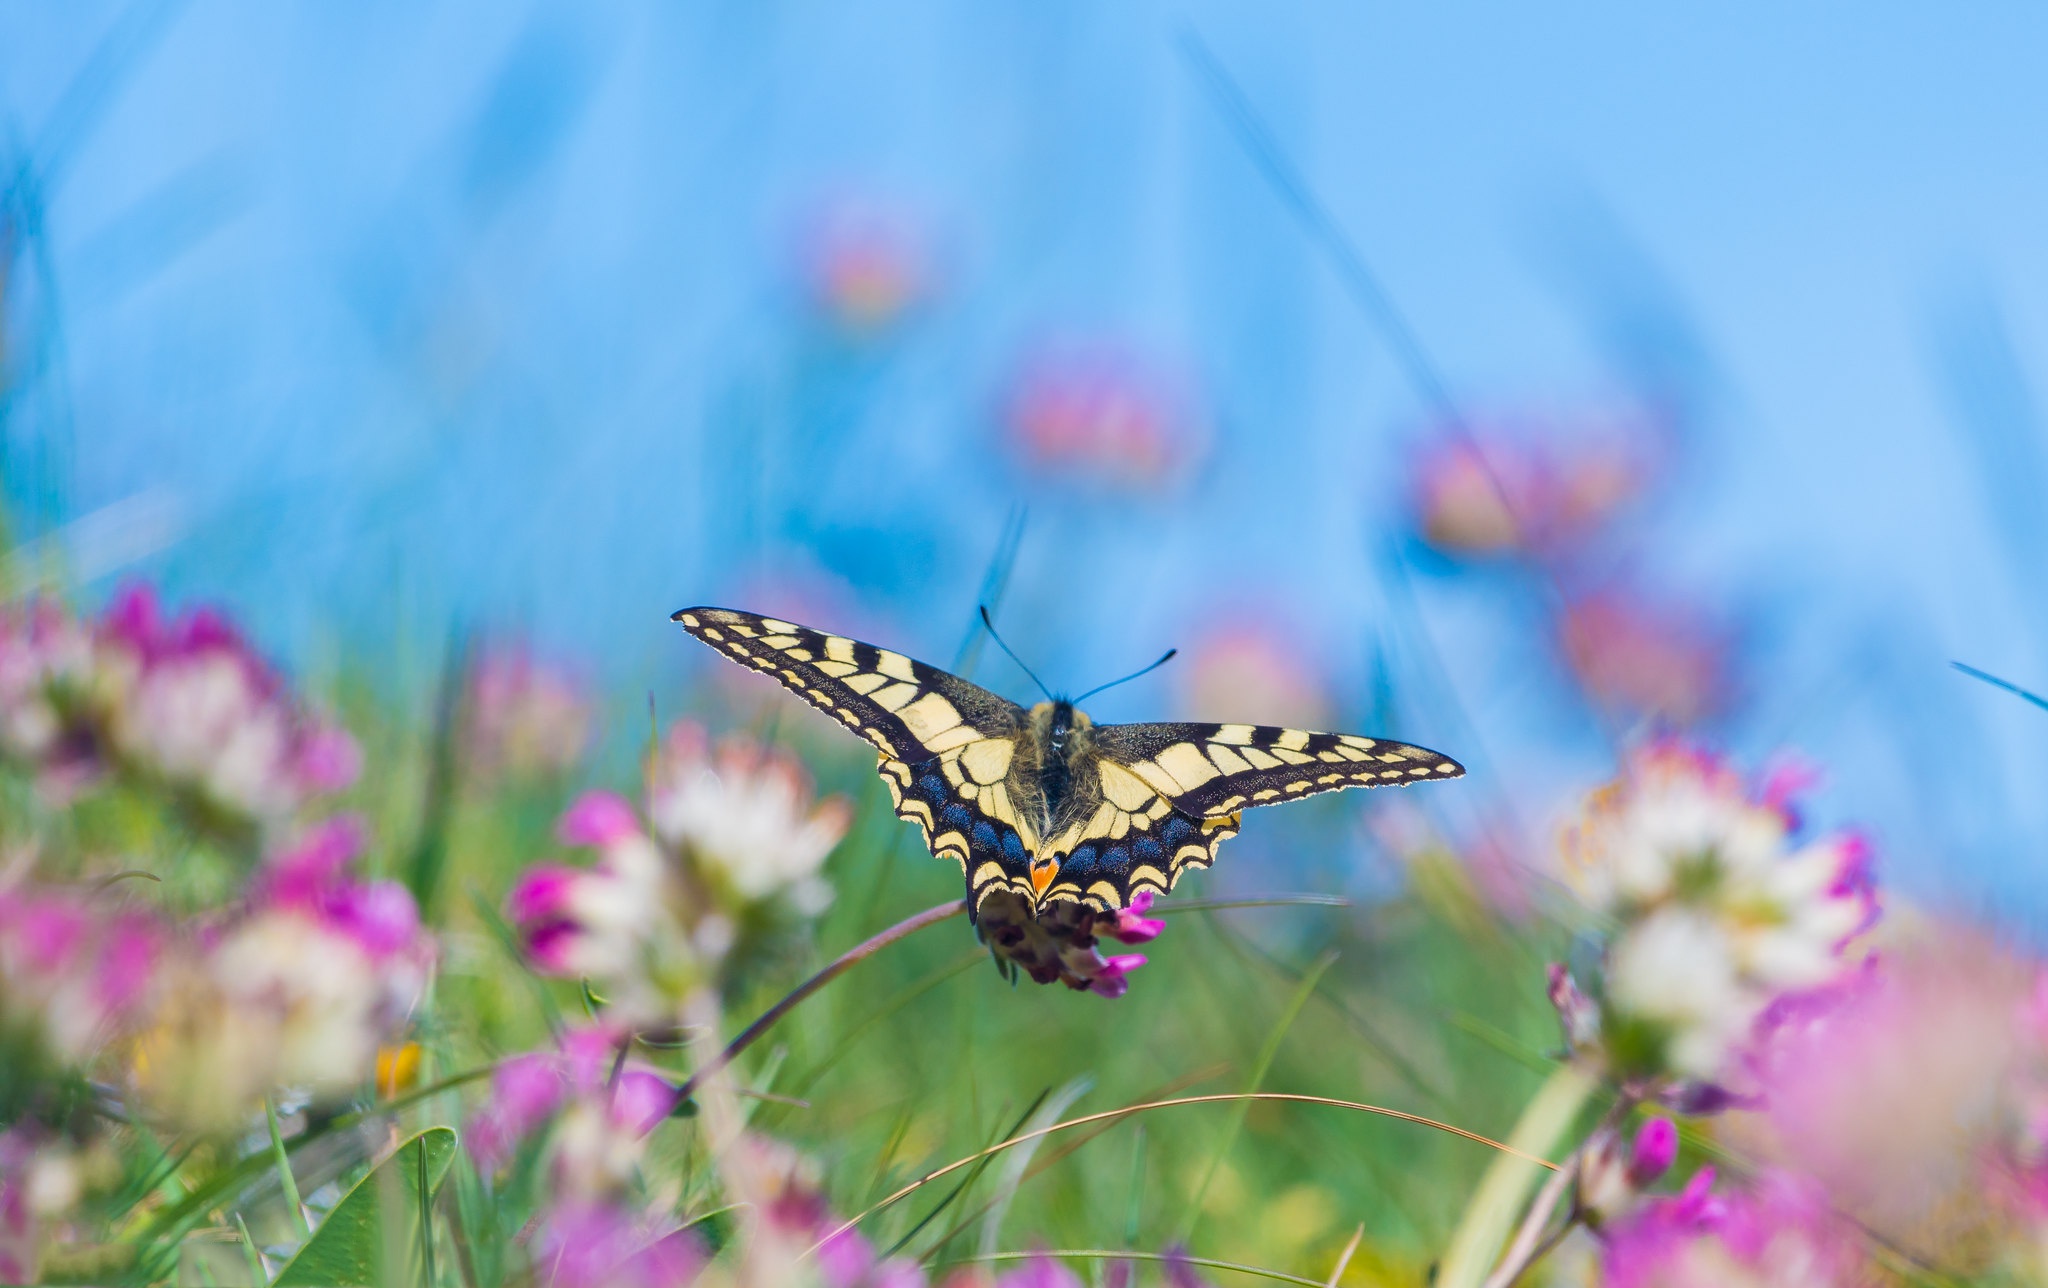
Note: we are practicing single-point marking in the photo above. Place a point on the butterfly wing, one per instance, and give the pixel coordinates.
(1169, 794)
(947, 745)
(1213, 770)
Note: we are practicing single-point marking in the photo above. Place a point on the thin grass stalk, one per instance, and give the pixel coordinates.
(1268, 1050)
(1218, 1098)
(852, 956)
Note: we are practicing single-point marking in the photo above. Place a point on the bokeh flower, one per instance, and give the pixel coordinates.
(1099, 417)
(745, 816)
(523, 717)
(46, 666)
(864, 267)
(43, 1177)
(74, 973)
(1778, 1232)
(1527, 491)
(1717, 909)
(299, 990)
(186, 702)
(1614, 1171)
(1245, 671)
(1646, 662)
(732, 858)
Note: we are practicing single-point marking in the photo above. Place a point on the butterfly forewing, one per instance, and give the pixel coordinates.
(1215, 770)
(947, 746)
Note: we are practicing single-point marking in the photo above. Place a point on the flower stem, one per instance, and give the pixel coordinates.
(1530, 1244)
(752, 1033)
(1483, 1230)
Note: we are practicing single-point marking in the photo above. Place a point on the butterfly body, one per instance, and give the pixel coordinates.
(1042, 807)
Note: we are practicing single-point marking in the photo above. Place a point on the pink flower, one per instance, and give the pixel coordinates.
(1654, 1151)
(1039, 1271)
(598, 819)
(615, 1105)
(1779, 1231)
(583, 1244)
(1114, 981)
(863, 266)
(1097, 416)
(1721, 915)
(1646, 661)
(524, 718)
(1250, 671)
(73, 970)
(1132, 926)
(313, 877)
(1520, 489)
(848, 1260)
(187, 703)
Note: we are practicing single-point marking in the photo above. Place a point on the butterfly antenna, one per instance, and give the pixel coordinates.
(1012, 656)
(1146, 670)
(1997, 683)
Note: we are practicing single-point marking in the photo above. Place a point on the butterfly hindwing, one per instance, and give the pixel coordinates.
(947, 745)
(1214, 770)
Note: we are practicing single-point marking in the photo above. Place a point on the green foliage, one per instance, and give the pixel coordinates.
(380, 1216)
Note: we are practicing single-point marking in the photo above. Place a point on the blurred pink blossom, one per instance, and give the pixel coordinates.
(1776, 1233)
(1517, 489)
(1244, 671)
(592, 1244)
(1039, 1271)
(523, 717)
(188, 703)
(46, 669)
(317, 971)
(74, 970)
(604, 1119)
(1097, 416)
(865, 267)
(1646, 662)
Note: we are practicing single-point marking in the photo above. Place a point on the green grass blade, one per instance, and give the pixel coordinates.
(1267, 1052)
(349, 1249)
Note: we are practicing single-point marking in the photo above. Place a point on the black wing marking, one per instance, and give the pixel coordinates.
(910, 712)
(946, 745)
(1214, 770)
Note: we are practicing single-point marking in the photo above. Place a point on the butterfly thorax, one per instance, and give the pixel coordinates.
(1060, 733)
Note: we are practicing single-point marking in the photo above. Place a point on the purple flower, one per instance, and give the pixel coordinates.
(1114, 981)
(1655, 1149)
(525, 1092)
(848, 1260)
(607, 1245)
(525, 718)
(1132, 926)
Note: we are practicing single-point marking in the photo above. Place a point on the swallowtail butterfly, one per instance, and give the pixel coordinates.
(1044, 807)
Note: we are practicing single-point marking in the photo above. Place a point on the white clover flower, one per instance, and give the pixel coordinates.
(1716, 909)
(745, 813)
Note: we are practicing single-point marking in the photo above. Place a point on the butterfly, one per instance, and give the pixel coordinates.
(1042, 807)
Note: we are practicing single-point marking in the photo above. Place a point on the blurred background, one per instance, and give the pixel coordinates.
(1514, 381)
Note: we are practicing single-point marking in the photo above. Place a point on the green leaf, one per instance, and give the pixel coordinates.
(381, 1213)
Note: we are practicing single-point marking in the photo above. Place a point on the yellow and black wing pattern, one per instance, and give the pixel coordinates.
(947, 746)
(1215, 770)
(1171, 793)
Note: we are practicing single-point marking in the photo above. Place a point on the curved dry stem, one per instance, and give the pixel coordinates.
(752, 1033)
(1217, 1098)
(1103, 1254)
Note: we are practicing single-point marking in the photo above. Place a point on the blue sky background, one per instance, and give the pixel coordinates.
(365, 317)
